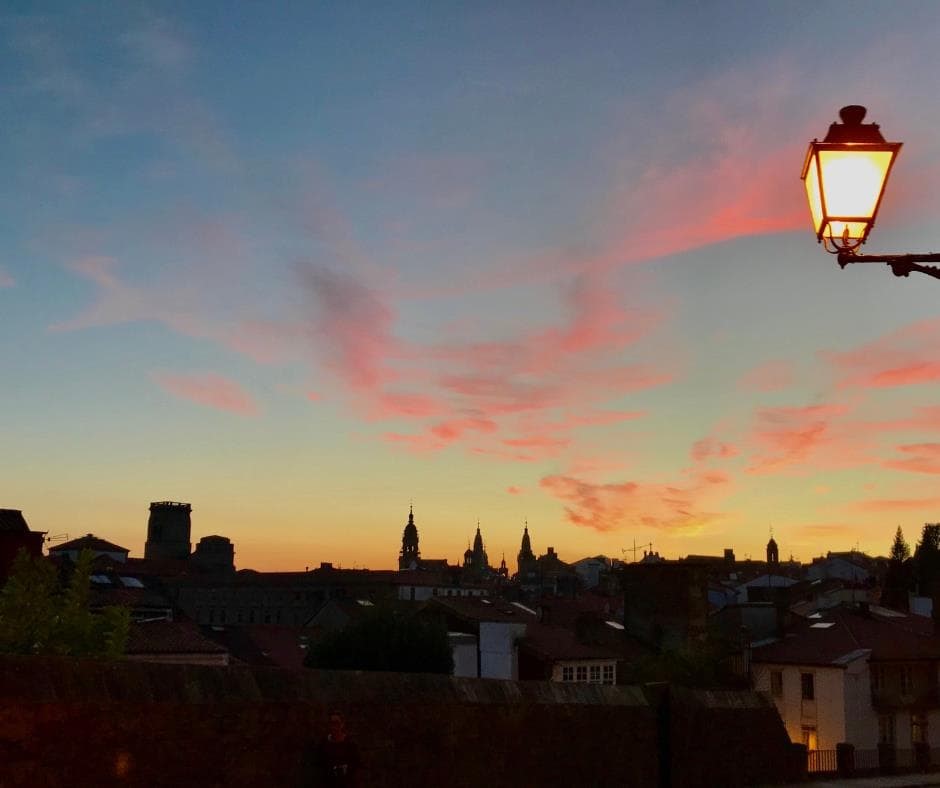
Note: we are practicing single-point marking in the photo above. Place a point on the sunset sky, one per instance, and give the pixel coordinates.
(302, 264)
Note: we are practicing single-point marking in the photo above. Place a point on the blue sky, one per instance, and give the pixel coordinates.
(300, 266)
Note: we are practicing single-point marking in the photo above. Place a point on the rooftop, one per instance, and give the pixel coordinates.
(12, 520)
(88, 542)
(831, 636)
(482, 609)
(169, 637)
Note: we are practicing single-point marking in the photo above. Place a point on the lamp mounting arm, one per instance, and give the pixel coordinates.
(901, 264)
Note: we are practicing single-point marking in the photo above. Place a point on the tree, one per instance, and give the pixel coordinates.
(899, 580)
(927, 559)
(38, 615)
(899, 550)
(384, 640)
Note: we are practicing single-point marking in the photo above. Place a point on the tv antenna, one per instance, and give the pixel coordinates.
(636, 547)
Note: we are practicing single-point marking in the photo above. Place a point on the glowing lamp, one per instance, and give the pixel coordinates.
(845, 177)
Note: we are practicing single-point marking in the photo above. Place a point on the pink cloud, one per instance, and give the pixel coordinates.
(922, 458)
(772, 376)
(392, 404)
(605, 507)
(513, 490)
(904, 357)
(455, 428)
(792, 437)
(712, 448)
(5, 279)
(519, 398)
(417, 444)
(897, 504)
(354, 328)
(209, 389)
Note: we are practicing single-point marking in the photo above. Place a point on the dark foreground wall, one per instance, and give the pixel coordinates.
(75, 723)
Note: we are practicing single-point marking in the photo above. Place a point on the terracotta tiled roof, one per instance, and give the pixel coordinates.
(839, 632)
(169, 637)
(566, 611)
(90, 542)
(281, 644)
(559, 643)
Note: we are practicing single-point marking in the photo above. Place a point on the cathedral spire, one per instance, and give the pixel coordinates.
(526, 556)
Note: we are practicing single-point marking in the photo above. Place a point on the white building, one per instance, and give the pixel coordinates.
(857, 674)
(497, 627)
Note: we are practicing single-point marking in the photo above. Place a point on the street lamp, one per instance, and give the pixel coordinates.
(845, 177)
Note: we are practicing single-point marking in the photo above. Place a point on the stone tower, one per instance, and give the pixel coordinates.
(773, 554)
(410, 556)
(168, 531)
(479, 561)
(526, 557)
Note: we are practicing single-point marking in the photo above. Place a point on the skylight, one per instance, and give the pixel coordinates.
(523, 607)
(131, 582)
(815, 615)
(614, 624)
(365, 602)
(822, 625)
(101, 580)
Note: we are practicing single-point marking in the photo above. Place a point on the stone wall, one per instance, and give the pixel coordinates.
(74, 722)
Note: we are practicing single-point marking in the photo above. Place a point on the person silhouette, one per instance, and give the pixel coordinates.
(336, 759)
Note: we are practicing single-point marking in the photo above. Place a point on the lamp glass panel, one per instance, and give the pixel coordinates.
(812, 193)
(836, 229)
(852, 181)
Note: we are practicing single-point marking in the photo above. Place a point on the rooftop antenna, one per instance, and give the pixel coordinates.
(635, 548)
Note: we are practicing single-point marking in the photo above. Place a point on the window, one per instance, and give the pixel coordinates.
(809, 733)
(609, 674)
(886, 729)
(918, 728)
(567, 674)
(907, 680)
(595, 674)
(776, 683)
(808, 687)
(582, 673)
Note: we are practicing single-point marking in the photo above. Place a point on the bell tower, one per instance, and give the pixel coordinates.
(773, 553)
(168, 531)
(410, 556)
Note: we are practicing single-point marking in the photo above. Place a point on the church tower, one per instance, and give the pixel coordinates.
(526, 556)
(479, 561)
(773, 554)
(410, 556)
(168, 531)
